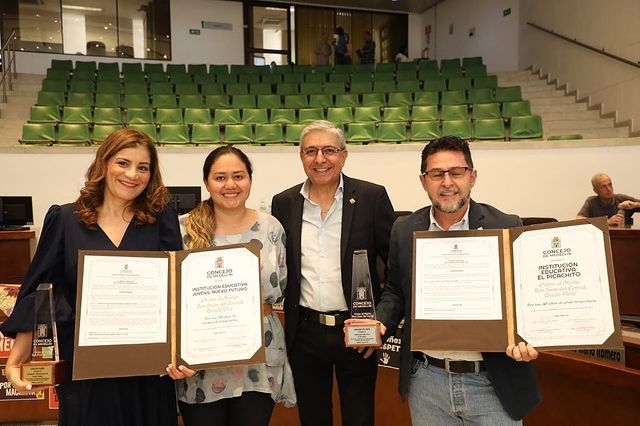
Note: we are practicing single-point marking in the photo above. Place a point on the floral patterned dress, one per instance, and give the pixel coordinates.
(275, 376)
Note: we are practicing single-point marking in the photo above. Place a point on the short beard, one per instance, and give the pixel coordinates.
(450, 209)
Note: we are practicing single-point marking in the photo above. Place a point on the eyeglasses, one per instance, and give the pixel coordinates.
(454, 173)
(327, 151)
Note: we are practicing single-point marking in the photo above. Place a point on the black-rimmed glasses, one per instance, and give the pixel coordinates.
(454, 173)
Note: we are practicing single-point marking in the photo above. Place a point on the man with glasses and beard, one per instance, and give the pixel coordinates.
(326, 219)
(453, 387)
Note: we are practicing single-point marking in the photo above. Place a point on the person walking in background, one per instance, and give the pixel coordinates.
(243, 395)
(368, 52)
(323, 50)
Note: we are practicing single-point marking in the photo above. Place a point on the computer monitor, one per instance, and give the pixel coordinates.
(15, 212)
(184, 198)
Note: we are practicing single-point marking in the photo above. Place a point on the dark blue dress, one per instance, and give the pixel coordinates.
(147, 400)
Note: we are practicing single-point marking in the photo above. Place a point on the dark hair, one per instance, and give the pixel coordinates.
(201, 223)
(219, 152)
(339, 30)
(147, 205)
(446, 143)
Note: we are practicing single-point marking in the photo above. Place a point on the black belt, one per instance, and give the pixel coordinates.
(449, 366)
(331, 319)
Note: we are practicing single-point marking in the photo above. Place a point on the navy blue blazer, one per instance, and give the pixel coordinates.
(367, 217)
(514, 382)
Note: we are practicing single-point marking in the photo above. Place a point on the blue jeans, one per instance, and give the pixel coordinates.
(440, 398)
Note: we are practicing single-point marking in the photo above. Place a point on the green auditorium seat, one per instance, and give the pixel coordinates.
(57, 74)
(81, 99)
(134, 78)
(197, 115)
(453, 63)
(364, 132)
(398, 113)
(205, 133)
(101, 131)
(322, 69)
(287, 89)
(158, 77)
(374, 99)
(283, 116)
(38, 133)
(516, 109)
(50, 85)
(73, 134)
(226, 116)
(112, 100)
(151, 68)
(310, 88)
(429, 75)
(84, 75)
(435, 85)
(339, 78)
(140, 88)
(292, 132)
(334, 88)
(426, 98)
(169, 116)
(243, 101)
(363, 68)
(190, 101)
(526, 127)
(81, 114)
(217, 101)
(407, 75)
(408, 86)
(488, 110)
(307, 115)
(384, 76)
(367, 113)
(508, 94)
(424, 113)
(107, 115)
(347, 100)
(296, 101)
(320, 100)
(237, 89)
(428, 65)
(294, 78)
(471, 61)
(139, 116)
(459, 83)
(176, 68)
(475, 71)
(238, 133)
(255, 116)
(384, 86)
(108, 67)
(108, 87)
(459, 128)
(488, 82)
(133, 101)
(407, 66)
(164, 101)
(343, 69)
(451, 73)
(400, 99)
(85, 66)
(249, 78)
(212, 89)
(392, 132)
(63, 64)
(269, 101)
(50, 98)
(160, 88)
(453, 97)
(260, 89)
(455, 112)
(489, 128)
(218, 69)
(174, 134)
(480, 96)
(186, 89)
(44, 114)
(366, 78)
(386, 67)
(146, 128)
(269, 134)
(272, 79)
(340, 115)
(129, 68)
(425, 131)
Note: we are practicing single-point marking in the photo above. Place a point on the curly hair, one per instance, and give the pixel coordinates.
(147, 205)
(201, 222)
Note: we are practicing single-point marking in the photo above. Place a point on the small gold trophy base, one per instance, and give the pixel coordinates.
(363, 335)
(43, 373)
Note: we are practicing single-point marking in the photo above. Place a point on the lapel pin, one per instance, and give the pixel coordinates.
(352, 200)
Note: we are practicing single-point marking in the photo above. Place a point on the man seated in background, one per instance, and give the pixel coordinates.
(607, 203)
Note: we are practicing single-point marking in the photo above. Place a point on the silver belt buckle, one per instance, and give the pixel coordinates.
(328, 320)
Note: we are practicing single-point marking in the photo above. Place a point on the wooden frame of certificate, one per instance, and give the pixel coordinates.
(478, 290)
(128, 310)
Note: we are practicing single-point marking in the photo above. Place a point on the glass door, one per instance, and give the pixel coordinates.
(270, 35)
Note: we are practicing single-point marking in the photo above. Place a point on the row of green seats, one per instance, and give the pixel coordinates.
(141, 100)
(252, 115)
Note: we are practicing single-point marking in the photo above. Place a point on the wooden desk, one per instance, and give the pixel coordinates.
(625, 246)
(15, 255)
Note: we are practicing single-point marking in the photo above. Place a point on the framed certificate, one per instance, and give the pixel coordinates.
(139, 311)
(551, 285)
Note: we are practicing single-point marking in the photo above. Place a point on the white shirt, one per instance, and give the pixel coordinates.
(463, 225)
(321, 281)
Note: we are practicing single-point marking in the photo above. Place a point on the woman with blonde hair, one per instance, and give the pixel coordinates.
(122, 206)
(243, 395)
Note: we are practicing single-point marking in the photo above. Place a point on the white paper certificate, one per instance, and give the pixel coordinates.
(562, 286)
(458, 278)
(220, 306)
(124, 300)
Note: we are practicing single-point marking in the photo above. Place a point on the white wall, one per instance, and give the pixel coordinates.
(527, 178)
(613, 26)
(496, 36)
(210, 47)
